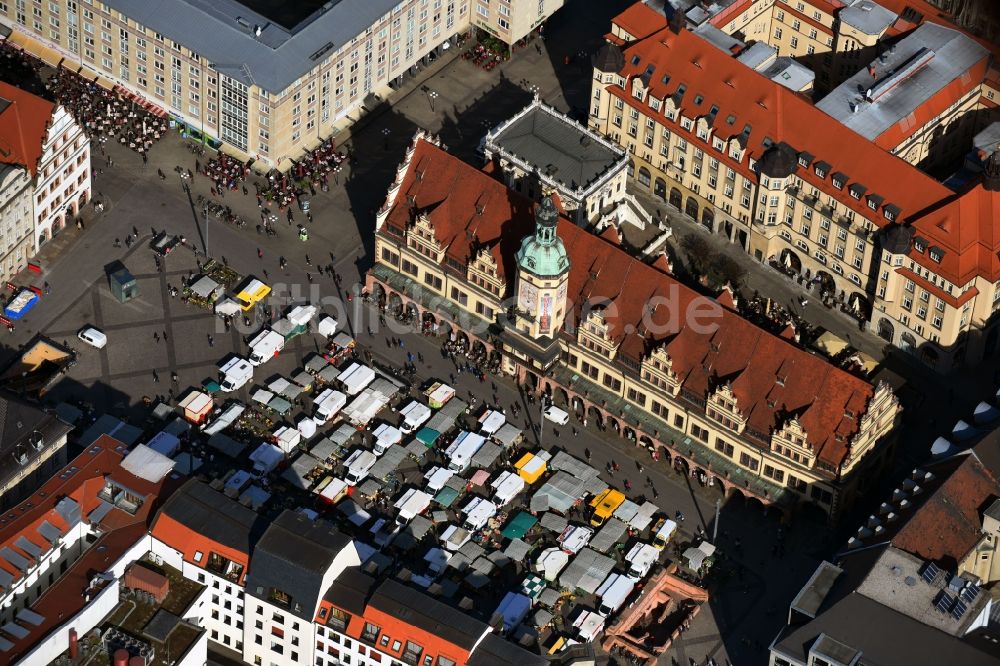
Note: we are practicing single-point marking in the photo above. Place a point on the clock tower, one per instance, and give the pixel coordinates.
(542, 276)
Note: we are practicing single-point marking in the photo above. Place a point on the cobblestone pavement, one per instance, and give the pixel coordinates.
(760, 579)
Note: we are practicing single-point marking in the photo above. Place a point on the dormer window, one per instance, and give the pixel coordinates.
(698, 99)
(891, 212)
(821, 169)
(839, 180)
(936, 254)
(919, 244)
(635, 60)
(856, 190)
(686, 123)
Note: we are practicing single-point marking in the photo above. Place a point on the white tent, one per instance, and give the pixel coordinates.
(327, 326)
(589, 624)
(575, 538)
(226, 306)
(237, 482)
(306, 427)
(147, 464)
(551, 562)
(302, 314)
(266, 457)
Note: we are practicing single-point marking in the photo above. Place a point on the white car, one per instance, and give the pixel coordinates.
(93, 337)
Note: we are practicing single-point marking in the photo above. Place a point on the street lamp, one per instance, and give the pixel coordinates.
(431, 96)
(533, 89)
(204, 217)
(385, 132)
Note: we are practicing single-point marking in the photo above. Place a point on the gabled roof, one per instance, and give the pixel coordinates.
(293, 556)
(772, 379)
(197, 517)
(24, 124)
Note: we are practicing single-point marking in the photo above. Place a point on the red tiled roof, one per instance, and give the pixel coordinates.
(24, 124)
(120, 530)
(963, 226)
(772, 379)
(949, 524)
(640, 20)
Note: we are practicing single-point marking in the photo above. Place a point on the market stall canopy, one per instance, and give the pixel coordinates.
(696, 557)
(206, 288)
(226, 418)
(446, 496)
(165, 443)
(550, 562)
(266, 457)
(428, 436)
(226, 445)
(306, 426)
(226, 307)
(147, 464)
(507, 435)
(530, 467)
(830, 344)
(196, 406)
(323, 449)
(280, 405)
(609, 534)
(263, 396)
(586, 571)
(479, 478)
(519, 526)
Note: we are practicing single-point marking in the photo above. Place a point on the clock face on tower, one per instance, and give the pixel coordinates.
(528, 298)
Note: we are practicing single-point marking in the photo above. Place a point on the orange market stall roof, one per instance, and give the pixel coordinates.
(530, 467)
(197, 406)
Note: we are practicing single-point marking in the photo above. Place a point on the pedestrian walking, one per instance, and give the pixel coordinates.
(173, 377)
(156, 377)
(211, 341)
(260, 253)
(156, 336)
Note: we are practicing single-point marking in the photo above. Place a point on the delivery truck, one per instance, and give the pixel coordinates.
(235, 373)
(358, 465)
(613, 592)
(328, 404)
(265, 346)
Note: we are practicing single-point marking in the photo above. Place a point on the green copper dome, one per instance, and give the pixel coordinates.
(542, 253)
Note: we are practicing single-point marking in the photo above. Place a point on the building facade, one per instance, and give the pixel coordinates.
(44, 139)
(266, 87)
(17, 228)
(617, 341)
(751, 160)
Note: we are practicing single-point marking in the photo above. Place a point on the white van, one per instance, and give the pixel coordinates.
(414, 414)
(613, 592)
(358, 465)
(328, 404)
(265, 346)
(462, 449)
(412, 503)
(556, 415)
(93, 337)
(641, 559)
(236, 372)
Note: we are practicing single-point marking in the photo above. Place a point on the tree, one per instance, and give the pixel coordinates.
(724, 269)
(698, 252)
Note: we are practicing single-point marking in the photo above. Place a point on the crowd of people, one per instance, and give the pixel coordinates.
(102, 113)
(105, 114)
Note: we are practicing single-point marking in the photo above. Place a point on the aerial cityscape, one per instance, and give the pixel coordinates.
(500, 332)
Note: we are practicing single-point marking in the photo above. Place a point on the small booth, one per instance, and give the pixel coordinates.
(197, 406)
(530, 468)
(123, 285)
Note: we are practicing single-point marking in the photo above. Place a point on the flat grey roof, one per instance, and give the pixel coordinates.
(556, 146)
(952, 55)
(882, 635)
(811, 596)
(867, 16)
(222, 31)
(718, 38)
(757, 54)
(789, 73)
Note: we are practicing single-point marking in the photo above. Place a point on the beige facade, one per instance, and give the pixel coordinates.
(222, 100)
(511, 20)
(17, 220)
(821, 234)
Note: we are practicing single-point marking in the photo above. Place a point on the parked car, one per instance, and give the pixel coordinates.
(93, 337)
